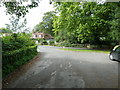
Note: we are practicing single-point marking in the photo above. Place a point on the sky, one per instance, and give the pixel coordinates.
(33, 17)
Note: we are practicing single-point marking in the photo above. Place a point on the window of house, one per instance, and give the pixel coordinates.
(40, 36)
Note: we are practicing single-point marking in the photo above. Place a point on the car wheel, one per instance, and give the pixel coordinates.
(111, 57)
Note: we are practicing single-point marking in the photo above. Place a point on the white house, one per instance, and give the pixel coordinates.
(37, 35)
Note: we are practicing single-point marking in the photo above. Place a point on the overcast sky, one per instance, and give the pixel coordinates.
(33, 17)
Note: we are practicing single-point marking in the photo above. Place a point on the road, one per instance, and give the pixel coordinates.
(68, 69)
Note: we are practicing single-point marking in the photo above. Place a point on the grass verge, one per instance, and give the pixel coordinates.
(86, 50)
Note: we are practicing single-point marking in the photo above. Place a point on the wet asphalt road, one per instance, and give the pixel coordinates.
(68, 69)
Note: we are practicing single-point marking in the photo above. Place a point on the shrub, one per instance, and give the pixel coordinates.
(51, 42)
(17, 49)
(40, 40)
(44, 42)
(65, 43)
(16, 41)
(13, 59)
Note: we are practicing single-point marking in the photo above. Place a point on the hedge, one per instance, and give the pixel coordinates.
(11, 60)
(16, 41)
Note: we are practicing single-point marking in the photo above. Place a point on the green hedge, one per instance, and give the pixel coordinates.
(66, 44)
(17, 49)
(11, 60)
(51, 43)
(16, 41)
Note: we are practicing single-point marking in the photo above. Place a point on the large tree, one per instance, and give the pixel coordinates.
(85, 22)
(46, 25)
(115, 23)
(17, 11)
(15, 7)
(17, 25)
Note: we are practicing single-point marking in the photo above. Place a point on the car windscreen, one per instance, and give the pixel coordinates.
(118, 49)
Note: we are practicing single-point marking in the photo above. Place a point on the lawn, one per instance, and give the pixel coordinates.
(86, 50)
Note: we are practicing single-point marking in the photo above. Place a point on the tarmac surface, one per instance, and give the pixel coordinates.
(54, 68)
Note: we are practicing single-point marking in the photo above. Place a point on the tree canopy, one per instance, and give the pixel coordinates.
(76, 22)
(18, 8)
(87, 22)
(46, 25)
(17, 11)
(4, 30)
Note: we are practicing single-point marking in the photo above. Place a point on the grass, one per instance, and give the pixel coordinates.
(86, 50)
(45, 45)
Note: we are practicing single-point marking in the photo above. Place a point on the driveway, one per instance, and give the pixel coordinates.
(56, 68)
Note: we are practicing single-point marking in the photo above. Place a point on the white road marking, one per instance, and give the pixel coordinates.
(69, 65)
(60, 65)
(80, 62)
(53, 73)
(65, 68)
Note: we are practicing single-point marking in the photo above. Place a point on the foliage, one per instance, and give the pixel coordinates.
(51, 42)
(16, 50)
(86, 22)
(44, 42)
(115, 23)
(87, 50)
(41, 41)
(11, 60)
(67, 44)
(5, 30)
(16, 41)
(115, 30)
(18, 8)
(46, 25)
(17, 24)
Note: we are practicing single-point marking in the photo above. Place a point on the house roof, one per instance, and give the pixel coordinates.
(40, 33)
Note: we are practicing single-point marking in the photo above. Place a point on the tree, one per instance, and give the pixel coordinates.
(5, 30)
(65, 21)
(85, 22)
(16, 25)
(46, 25)
(18, 8)
(115, 23)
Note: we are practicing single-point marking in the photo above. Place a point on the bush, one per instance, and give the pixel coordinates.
(44, 42)
(38, 39)
(13, 59)
(65, 44)
(17, 50)
(51, 42)
(16, 41)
